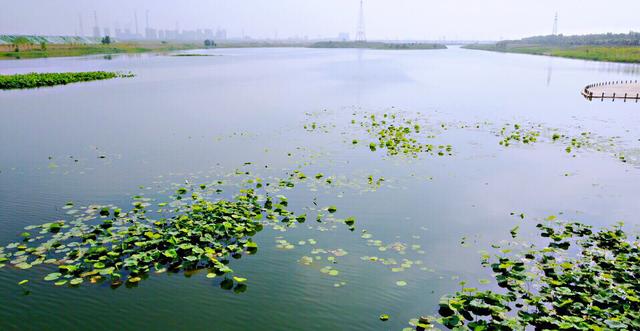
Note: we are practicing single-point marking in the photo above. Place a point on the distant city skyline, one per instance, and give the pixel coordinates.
(315, 19)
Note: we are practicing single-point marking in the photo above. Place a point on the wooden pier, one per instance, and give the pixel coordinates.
(623, 89)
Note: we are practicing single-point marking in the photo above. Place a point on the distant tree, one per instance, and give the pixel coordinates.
(209, 43)
(608, 39)
(106, 40)
(19, 41)
(43, 46)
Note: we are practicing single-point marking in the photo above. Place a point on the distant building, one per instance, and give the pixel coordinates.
(189, 35)
(165, 35)
(96, 32)
(221, 34)
(343, 36)
(150, 33)
(171, 34)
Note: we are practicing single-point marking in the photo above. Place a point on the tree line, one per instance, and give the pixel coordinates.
(605, 39)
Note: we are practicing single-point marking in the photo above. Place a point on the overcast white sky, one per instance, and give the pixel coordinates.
(385, 19)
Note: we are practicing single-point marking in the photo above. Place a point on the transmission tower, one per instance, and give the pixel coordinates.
(360, 33)
(555, 25)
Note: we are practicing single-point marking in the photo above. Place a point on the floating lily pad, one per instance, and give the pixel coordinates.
(23, 265)
(52, 276)
(76, 281)
(239, 279)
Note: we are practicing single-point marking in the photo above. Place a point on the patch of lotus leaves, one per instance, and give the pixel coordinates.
(123, 247)
(519, 134)
(399, 136)
(582, 280)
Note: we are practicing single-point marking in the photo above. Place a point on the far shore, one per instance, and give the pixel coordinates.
(620, 54)
(30, 51)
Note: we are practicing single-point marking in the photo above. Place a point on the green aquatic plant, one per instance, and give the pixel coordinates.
(518, 134)
(320, 127)
(584, 139)
(33, 80)
(400, 136)
(512, 134)
(120, 247)
(581, 280)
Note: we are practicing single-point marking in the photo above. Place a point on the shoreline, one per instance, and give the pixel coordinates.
(74, 50)
(624, 55)
(71, 50)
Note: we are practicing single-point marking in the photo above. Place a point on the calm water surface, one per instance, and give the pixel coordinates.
(200, 118)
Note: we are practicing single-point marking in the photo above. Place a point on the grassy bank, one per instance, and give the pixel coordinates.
(376, 45)
(625, 54)
(30, 51)
(62, 50)
(33, 80)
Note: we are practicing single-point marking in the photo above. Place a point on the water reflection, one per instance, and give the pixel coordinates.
(184, 117)
(359, 77)
(549, 71)
(620, 68)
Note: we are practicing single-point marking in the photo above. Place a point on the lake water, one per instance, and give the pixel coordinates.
(198, 119)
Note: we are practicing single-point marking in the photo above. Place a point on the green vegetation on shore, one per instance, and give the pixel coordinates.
(596, 47)
(376, 45)
(603, 53)
(33, 80)
(626, 54)
(62, 50)
(603, 39)
(27, 48)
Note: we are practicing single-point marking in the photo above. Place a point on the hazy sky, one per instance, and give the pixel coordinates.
(385, 19)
